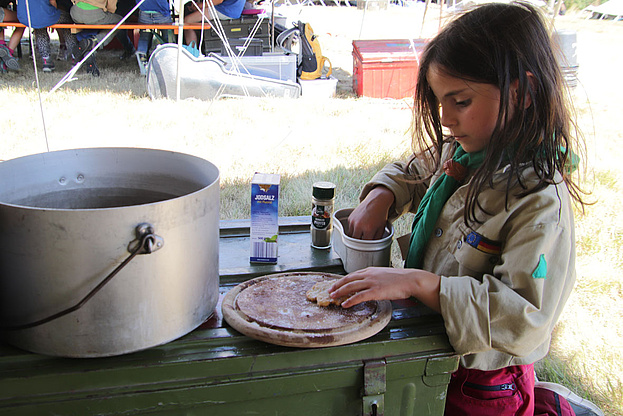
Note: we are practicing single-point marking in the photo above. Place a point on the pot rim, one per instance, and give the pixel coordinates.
(106, 151)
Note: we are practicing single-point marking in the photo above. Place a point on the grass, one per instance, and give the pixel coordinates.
(346, 140)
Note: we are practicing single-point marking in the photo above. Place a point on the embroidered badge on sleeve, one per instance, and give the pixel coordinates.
(483, 244)
(541, 269)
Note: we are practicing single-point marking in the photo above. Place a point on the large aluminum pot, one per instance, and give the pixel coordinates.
(68, 219)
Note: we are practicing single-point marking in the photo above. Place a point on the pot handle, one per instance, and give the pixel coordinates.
(146, 242)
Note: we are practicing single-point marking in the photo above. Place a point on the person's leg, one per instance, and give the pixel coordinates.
(16, 37)
(190, 35)
(158, 19)
(508, 391)
(95, 17)
(70, 41)
(42, 40)
(194, 16)
(7, 52)
(144, 35)
(123, 8)
(69, 38)
(86, 44)
(144, 42)
(128, 46)
(62, 46)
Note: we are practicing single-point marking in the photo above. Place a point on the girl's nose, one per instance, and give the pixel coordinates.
(447, 119)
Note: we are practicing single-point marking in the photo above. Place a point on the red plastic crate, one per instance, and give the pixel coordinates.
(386, 68)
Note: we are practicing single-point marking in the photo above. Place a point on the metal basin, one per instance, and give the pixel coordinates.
(69, 219)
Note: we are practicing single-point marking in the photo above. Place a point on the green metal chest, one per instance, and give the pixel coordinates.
(403, 370)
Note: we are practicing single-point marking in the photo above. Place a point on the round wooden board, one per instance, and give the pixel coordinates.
(275, 309)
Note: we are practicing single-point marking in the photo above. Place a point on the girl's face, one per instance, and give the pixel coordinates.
(468, 109)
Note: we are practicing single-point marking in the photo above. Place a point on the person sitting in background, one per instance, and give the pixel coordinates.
(150, 12)
(7, 51)
(225, 10)
(97, 12)
(44, 13)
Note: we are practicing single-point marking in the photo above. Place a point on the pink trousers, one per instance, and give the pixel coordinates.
(505, 392)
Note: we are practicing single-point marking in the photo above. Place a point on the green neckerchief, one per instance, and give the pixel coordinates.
(434, 200)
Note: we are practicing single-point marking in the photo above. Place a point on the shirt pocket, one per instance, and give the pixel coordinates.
(476, 254)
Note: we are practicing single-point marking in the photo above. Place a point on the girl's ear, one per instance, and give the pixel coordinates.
(515, 87)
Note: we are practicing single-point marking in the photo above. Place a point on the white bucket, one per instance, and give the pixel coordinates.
(318, 88)
(358, 254)
(565, 43)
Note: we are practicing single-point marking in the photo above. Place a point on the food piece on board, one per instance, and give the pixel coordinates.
(319, 293)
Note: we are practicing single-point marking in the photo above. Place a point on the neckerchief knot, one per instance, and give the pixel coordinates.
(455, 171)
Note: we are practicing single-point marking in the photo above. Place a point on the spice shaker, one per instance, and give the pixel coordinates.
(323, 197)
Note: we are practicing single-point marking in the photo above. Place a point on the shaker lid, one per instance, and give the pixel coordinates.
(324, 190)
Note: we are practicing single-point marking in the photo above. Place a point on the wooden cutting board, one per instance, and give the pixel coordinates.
(275, 309)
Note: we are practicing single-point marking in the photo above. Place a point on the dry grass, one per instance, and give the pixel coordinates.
(346, 139)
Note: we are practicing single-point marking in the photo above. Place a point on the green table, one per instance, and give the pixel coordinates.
(214, 370)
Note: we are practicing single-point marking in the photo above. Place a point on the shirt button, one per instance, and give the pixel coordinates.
(459, 244)
(438, 232)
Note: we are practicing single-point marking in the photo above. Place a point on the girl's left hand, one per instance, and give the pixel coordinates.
(388, 283)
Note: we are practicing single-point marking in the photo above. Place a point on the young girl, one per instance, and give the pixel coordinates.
(492, 247)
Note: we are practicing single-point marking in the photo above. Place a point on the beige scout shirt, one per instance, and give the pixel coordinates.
(498, 309)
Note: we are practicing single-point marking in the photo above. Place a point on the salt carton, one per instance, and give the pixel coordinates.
(264, 217)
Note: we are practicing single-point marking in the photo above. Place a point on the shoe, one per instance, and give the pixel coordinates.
(92, 67)
(8, 59)
(141, 58)
(192, 49)
(48, 65)
(82, 48)
(63, 53)
(580, 406)
(127, 54)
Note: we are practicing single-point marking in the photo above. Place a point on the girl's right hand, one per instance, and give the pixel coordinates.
(368, 220)
(388, 283)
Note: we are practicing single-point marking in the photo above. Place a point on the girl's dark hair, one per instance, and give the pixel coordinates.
(498, 44)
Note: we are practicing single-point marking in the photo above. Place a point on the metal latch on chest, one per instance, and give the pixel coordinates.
(374, 384)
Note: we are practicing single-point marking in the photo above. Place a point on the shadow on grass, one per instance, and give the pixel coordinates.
(570, 371)
(117, 76)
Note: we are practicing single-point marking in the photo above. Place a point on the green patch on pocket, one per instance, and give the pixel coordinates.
(541, 269)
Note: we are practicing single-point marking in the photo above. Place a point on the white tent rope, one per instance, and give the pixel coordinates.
(203, 22)
(180, 43)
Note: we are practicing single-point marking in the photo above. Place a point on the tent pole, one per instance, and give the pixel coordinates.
(272, 25)
(180, 43)
(424, 16)
(440, 15)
